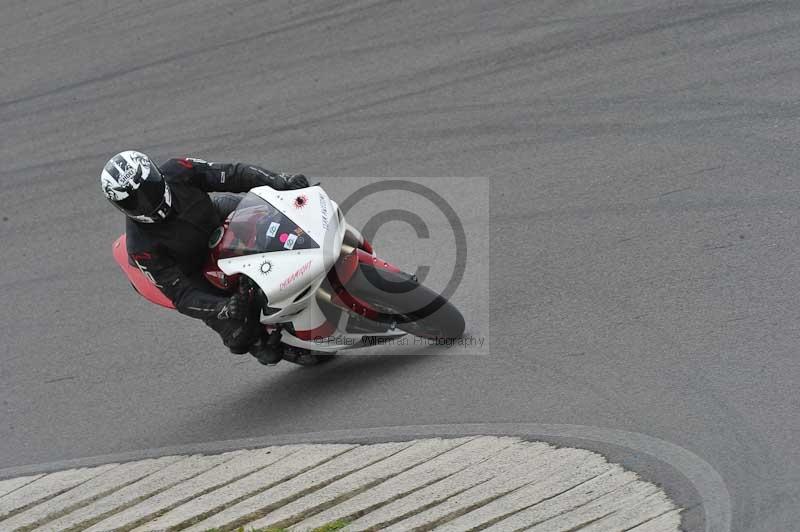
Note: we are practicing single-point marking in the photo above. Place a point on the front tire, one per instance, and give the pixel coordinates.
(399, 297)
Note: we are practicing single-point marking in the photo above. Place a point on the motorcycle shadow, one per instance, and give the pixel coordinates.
(347, 391)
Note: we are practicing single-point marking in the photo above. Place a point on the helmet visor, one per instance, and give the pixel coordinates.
(148, 199)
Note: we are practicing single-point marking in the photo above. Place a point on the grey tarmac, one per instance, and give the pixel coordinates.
(642, 223)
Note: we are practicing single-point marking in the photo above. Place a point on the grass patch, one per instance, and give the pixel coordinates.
(333, 525)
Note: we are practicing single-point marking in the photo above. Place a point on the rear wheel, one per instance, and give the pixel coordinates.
(400, 298)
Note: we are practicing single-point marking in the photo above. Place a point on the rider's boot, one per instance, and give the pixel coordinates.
(269, 351)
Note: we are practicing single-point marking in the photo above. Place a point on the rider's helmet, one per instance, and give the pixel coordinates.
(134, 184)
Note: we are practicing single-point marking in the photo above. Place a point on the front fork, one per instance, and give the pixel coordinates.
(354, 239)
(356, 250)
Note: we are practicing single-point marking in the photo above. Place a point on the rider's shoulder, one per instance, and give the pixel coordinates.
(140, 245)
(135, 237)
(178, 164)
(177, 170)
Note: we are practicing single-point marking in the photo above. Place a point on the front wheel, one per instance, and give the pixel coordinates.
(400, 298)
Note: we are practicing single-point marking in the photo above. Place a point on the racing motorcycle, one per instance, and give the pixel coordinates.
(319, 284)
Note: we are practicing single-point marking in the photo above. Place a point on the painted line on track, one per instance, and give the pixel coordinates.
(498, 483)
(704, 479)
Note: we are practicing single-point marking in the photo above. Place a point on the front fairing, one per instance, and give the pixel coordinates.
(285, 241)
(256, 227)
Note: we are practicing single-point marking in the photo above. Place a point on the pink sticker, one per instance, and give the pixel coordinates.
(283, 238)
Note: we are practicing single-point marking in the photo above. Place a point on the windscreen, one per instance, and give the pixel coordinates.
(258, 227)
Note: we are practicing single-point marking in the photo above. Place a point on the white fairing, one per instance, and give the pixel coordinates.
(283, 275)
(290, 278)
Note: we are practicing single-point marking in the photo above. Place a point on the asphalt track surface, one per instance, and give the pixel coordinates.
(643, 232)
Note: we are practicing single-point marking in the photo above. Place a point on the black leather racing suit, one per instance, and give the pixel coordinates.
(172, 253)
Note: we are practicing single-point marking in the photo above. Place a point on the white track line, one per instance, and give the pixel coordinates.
(421, 452)
(242, 464)
(48, 487)
(7, 486)
(492, 482)
(482, 505)
(131, 494)
(302, 459)
(440, 467)
(87, 492)
(499, 474)
(341, 466)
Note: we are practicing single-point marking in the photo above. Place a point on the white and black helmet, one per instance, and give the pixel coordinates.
(134, 184)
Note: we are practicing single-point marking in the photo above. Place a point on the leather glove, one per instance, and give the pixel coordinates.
(235, 308)
(296, 181)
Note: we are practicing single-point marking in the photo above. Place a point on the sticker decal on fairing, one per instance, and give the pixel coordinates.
(298, 273)
(273, 229)
(324, 211)
(290, 240)
(300, 201)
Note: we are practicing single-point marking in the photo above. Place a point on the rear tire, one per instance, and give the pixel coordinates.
(399, 297)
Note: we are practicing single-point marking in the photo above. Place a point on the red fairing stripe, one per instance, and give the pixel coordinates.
(351, 302)
(346, 266)
(186, 163)
(366, 258)
(366, 246)
(323, 331)
(141, 283)
(344, 270)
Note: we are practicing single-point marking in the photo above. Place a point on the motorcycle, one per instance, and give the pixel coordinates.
(319, 284)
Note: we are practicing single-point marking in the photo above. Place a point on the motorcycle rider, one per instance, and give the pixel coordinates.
(170, 218)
